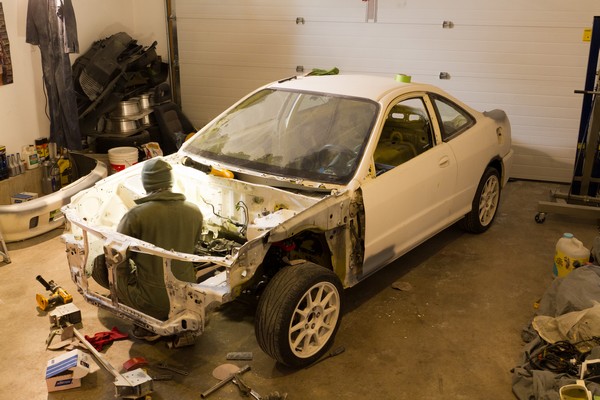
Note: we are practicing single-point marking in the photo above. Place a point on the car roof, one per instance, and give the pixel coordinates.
(366, 86)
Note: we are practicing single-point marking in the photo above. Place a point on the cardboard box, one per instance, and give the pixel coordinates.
(22, 197)
(65, 371)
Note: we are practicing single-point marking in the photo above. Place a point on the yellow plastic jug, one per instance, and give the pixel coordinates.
(570, 254)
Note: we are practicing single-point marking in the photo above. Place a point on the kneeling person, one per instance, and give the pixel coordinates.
(167, 220)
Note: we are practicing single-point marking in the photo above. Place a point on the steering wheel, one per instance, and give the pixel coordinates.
(334, 159)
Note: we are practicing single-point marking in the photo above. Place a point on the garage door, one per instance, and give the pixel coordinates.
(526, 57)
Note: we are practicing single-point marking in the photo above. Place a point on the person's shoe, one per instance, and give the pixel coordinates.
(144, 334)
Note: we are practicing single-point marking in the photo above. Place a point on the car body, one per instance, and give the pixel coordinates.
(334, 177)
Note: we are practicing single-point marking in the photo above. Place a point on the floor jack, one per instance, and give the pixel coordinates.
(130, 385)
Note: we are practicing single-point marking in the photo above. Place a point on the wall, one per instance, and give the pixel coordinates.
(22, 104)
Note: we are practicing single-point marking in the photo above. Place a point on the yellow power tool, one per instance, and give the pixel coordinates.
(58, 296)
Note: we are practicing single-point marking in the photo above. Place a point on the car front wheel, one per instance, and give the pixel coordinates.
(299, 314)
(485, 203)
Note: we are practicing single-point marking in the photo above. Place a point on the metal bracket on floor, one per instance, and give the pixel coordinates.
(4, 250)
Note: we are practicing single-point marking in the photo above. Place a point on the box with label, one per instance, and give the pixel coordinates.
(65, 371)
(22, 197)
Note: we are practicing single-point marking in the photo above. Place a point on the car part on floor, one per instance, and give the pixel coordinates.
(130, 385)
(239, 355)
(35, 217)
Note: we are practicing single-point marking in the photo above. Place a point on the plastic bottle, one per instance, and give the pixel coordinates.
(570, 254)
(13, 169)
(21, 164)
(4, 170)
(31, 157)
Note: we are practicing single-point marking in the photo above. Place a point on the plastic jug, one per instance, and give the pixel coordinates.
(30, 157)
(570, 254)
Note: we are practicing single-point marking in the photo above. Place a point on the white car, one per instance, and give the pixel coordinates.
(333, 178)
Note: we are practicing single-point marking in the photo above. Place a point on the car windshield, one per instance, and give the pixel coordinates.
(298, 135)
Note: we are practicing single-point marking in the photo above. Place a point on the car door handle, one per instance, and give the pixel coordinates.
(444, 162)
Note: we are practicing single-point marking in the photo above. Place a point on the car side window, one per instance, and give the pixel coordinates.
(453, 119)
(406, 134)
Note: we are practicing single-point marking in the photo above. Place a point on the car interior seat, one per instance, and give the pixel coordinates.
(173, 124)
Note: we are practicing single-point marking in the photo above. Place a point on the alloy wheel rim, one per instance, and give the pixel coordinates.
(489, 200)
(314, 319)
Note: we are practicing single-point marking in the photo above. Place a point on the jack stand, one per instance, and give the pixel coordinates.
(130, 385)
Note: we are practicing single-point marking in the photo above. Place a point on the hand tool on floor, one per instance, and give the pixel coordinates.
(58, 296)
(245, 390)
(337, 351)
(239, 355)
(171, 368)
(228, 378)
(130, 385)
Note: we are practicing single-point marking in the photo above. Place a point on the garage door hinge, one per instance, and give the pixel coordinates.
(447, 24)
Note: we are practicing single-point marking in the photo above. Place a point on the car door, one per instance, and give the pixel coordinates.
(408, 200)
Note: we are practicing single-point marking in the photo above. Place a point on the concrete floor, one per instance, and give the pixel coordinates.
(454, 335)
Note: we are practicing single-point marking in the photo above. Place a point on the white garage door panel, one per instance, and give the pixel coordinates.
(316, 10)
(548, 13)
(524, 57)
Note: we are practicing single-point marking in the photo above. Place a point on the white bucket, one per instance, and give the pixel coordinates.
(122, 157)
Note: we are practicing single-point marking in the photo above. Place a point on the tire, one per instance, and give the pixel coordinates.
(299, 314)
(485, 203)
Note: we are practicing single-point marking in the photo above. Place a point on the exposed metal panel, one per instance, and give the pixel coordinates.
(524, 57)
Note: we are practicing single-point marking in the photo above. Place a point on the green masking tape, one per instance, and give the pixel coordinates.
(402, 78)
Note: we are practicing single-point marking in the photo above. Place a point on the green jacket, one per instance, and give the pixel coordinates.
(166, 220)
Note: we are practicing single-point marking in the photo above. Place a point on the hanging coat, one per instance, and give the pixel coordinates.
(51, 25)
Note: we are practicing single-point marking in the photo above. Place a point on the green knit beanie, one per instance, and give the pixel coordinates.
(156, 175)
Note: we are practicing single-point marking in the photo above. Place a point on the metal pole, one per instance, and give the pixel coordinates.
(173, 52)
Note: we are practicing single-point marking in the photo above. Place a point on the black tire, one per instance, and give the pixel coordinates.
(485, 203)
(279, 310)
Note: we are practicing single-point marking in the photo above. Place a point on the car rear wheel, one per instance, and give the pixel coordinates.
(299, 314)
(485, 203)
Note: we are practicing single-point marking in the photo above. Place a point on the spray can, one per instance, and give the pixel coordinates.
(570, 254)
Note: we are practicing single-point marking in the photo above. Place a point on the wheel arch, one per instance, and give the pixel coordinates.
(498, 165)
